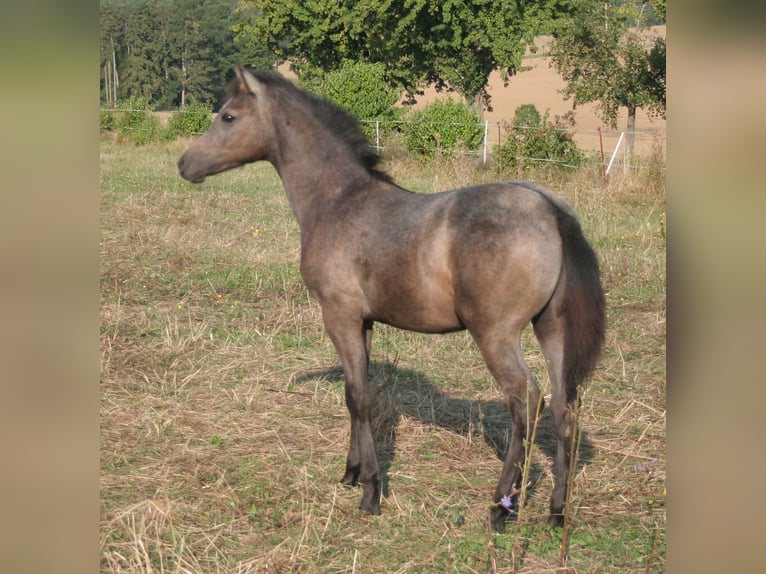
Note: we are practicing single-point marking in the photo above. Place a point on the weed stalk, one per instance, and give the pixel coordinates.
(529, 444)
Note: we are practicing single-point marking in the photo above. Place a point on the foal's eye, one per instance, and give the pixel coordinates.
(228, 118)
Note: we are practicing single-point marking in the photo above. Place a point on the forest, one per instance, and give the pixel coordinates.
(170, 52)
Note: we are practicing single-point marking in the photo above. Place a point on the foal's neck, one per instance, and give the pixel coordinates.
(315, 169)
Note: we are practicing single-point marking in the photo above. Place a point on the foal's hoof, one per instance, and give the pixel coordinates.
(371, 498)
(556, 520)
(349, 479)
(499, 517)
(368, 508)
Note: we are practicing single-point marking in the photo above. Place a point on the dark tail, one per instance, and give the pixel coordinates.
(583, 305)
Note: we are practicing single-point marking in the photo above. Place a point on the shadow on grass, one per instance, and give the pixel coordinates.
(401, 392)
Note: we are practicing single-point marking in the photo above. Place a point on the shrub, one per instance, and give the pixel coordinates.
(531, 138)
(107, 120)
(134, 121)
(441, 127)
(190, 120)
(527, 115)
(361, 89)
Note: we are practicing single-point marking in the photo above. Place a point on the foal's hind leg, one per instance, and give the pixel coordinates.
(550, 331)
(506, 363)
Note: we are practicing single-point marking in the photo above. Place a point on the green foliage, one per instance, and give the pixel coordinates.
(361, 89)
(190, 120)
(531, 138)
(527, 115)
(656, 78)
(134, 121)
(441, 127)
(107, 120)
(456, 43)
(171, 52)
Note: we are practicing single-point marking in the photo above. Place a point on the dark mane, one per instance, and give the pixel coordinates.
(335, 119)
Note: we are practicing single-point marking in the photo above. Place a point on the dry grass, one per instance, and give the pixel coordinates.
(224, 429)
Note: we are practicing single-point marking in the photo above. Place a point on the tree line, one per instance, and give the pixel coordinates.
(171, 52)
(176, 52)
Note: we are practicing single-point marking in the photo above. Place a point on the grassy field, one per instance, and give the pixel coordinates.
(224, 428)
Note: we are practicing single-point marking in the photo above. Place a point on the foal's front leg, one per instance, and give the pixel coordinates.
(352, 342)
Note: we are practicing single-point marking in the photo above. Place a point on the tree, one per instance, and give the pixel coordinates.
(141, 75)
(110, 36)
(603, 60)
(193, 51)
(171, 52)
(453, 43)
(471, 39)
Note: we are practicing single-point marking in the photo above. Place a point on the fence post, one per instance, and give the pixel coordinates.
(486, 137)
(614, 153)
(377, 134)
(601, 145)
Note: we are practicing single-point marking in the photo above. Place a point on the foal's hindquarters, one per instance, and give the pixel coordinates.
(498, 296)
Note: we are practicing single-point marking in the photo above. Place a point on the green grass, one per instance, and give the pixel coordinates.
(224, 428)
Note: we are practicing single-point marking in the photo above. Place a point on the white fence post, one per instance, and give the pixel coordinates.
(614, 153)
(486, 137)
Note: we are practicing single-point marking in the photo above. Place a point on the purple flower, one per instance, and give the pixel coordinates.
(506, 502)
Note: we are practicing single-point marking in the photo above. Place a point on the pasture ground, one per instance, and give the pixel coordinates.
(223, 425)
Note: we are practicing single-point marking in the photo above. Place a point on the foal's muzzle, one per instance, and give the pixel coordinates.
(187, 173)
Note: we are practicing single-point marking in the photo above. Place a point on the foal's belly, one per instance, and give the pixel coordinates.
(426, 308)
(425, 322)
(427, 327)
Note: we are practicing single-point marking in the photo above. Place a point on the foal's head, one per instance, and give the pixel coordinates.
(239, 134)
(261, 108)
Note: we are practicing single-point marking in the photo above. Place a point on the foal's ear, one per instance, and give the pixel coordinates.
(247, 82)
